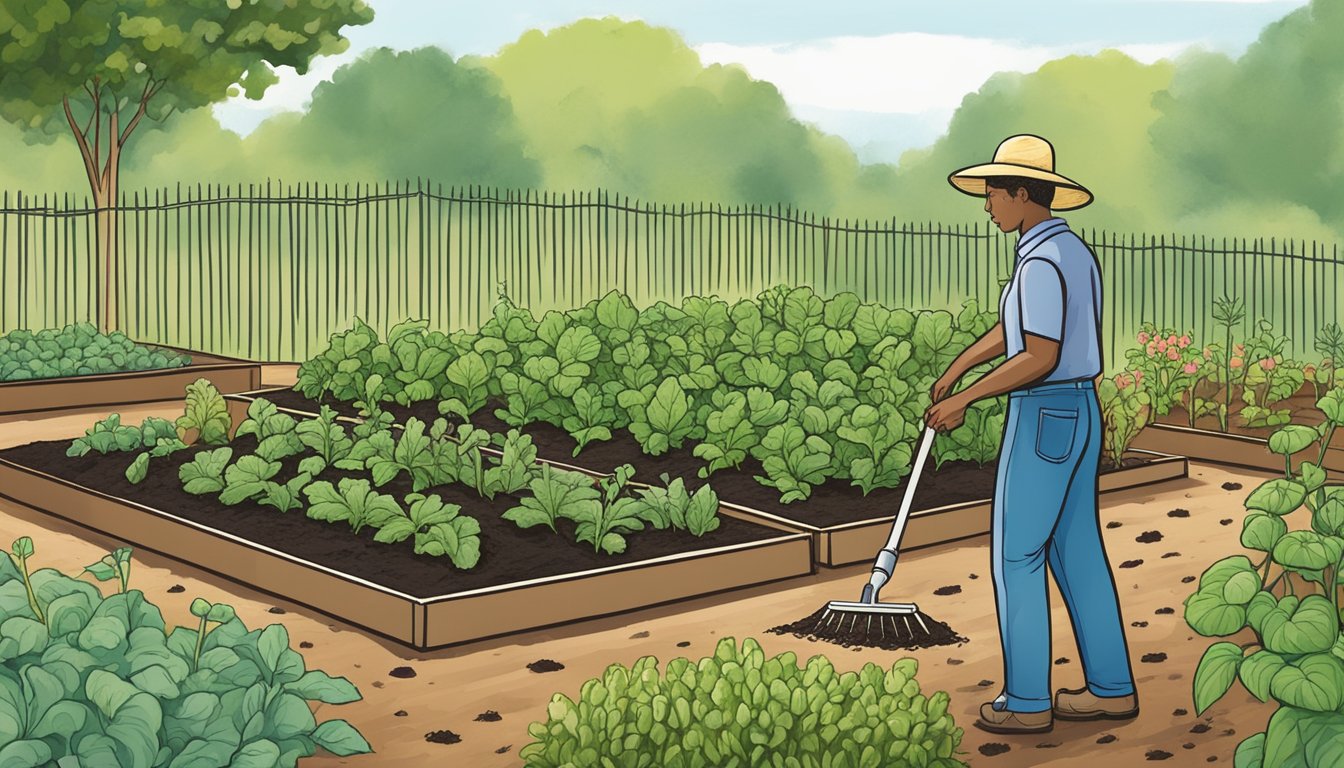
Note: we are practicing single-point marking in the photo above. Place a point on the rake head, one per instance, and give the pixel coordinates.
(889, 626)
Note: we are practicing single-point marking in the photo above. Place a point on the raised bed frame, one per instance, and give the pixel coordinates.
(1226, 448)
(848, 543)
(128, 387)
(421, 622)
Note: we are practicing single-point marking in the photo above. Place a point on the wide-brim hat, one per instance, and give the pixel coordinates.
(1029, 156)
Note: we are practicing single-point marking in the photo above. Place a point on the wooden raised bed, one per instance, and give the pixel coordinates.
(128, 387)
(842, 543)
(420, 622)
(1227, 448)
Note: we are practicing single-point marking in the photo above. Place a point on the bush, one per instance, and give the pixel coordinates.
(77, 350)
(88, 680)
(737, 708)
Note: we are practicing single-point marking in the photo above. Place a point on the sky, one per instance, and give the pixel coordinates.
(886, 75)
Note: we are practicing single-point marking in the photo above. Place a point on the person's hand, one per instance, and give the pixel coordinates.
(943, 385)
(946, 415)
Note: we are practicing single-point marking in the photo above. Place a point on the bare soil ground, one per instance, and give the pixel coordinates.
(484, 695)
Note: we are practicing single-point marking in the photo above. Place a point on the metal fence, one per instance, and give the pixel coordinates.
(270, 271)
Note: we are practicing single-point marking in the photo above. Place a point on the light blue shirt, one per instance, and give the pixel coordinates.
(1055, 293)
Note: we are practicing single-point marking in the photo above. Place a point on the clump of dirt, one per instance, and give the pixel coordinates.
(1158, 754)
(400, 713)
(1178, 512)
(545, 665)
(504, 749)
(1138, 623)
(640, 635)
(176, 589)
(442, 737)
(891, 633)
(1164, 611)
(1148, 537)
(1107, 739)
(488, 716)
(305, 644)
(276, 610)
(1188, 745)
(973, 576)
(1113, 524)
(402, 672)
(1231, 486)
(1200, 728)
(954, 662)
(1131, 564)
(993, 748)
(1225, 521)
(684, 644)
(1061, 660)
(954, 589)
(1178, 712)
(1046, 746)
(1154, 658)
(985, 683)
(1187, 579)
(1171, 554)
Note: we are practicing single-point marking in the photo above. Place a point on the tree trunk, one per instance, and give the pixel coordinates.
(104, 201)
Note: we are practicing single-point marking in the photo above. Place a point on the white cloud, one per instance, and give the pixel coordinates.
(907, 73)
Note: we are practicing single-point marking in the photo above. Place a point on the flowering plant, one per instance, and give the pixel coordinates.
(1172, 363)
(1126, 408)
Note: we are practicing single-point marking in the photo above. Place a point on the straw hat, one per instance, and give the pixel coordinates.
(1024, 155)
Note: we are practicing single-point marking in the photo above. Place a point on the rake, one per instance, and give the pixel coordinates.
(870, 622)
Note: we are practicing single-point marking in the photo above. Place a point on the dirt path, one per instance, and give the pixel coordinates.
(451, 688)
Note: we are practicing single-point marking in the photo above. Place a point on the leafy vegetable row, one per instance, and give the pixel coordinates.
(77, 350)
(93, 680)
(813, 389)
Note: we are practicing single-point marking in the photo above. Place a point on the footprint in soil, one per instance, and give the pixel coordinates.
(1164, 611)
(1113, 524)
(1225, 521)
(1148, 537)
(993, 748)
(1131, 564)
(488, 716)
(954, 589)
(1158, 754)
(402, 672)
(1231, 486)
(639, 635)
(176, 588)
(1107, 739)
(1178, 512)
(442, 737)
(1154, 658)
(545, 665)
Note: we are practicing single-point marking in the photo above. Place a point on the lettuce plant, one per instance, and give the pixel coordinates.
(1126, 409)
(672, 506)
(205, 472)
(884, 439)
(77, 350)
(735, 425)
(604, 525)
(1297, 656)
(247, 479)
(594, 415)
(93, 680)
(793, 461)
(353, 502)
(555, 494)
(438, 528)
(661, 418)
(275, 431)
(206, 413)
(109, 435)
(326, 438)
(738, 707)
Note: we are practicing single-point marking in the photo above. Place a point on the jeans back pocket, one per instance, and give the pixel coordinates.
(1055, 430)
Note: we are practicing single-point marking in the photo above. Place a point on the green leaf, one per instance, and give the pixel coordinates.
(316, 685)
(247, 479)
(262, 753)
(1292, 439)
(1292, 627)
(1241, 588)
(206, 412)
(26, 753)
(340, 738)
(1250, 752)
(1315, 682)
(1261, 531)
(1328, 519)
(1311, 476)
(1257, 670)
(205, 472)
(1308, 550)
(138, 469)
(1215, 673)
(1277, 497)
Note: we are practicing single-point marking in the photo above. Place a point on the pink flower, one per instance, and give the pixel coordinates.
(1143, 337)
(1267, 364)
(1151, 348)
(1161, 345)
(1239, 348)
(1309, 369)
(1235, 362)
(1122, 381)
(1138, 377)
(1191, 368)
(1184, 341)
(1208, 353)
(1171, 339)
(1172, 354)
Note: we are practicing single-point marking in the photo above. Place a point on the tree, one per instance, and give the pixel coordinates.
(97, 68)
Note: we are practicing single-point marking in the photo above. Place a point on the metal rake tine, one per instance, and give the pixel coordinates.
(920, 619)
(868, 627)
(908, 630)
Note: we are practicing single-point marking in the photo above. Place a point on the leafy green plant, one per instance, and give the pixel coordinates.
(1164, 357)
(593, 416)
(1297, 657)
(92, 680)
(164, 446)
(206, 413)
(735, 426)
(738, 707)
(1268, 382)
(205, 472)
(1330, 343)
(410, 452)
(1126, 409)
(556, 494)
(793, 461)
(605, 524)
(883, 437)
(247, 479)
(353, 502)
(661, 418)
(78, 350)
(672, 506)
(109, 435)
(1228, 313)
(978, 438)
(326, 438)
(515, 467)
(439, 529)
(276, 432)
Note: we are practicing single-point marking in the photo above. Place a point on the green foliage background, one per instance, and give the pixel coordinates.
(1201, 144)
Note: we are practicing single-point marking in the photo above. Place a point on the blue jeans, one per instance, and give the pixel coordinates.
(1045, 507)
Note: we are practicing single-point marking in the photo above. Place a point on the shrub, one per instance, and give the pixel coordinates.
(93, 680)
(1126, 408)
(77, 350)
(739, 708)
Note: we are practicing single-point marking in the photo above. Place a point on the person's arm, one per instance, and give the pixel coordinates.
(1027, 367)
(988, 347)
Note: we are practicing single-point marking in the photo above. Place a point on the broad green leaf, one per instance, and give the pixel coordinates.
(1250, 752)
(1328, 519)
(316, 685)
(1315, 682)
(1261, 531)
(340, 738)
(1310, 626)
(1209, 614)
(1308, 549)
(1241, 588)
(1257, 670)
(1291, 439)
(1277, 497)
(25, 753)
(136, 472)
(262, 753)
(1215, 673)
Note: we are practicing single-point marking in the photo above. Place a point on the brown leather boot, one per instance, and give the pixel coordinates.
(1082, 704)
(1006, 721)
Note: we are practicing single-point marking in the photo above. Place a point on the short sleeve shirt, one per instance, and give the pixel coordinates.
(1055, 293)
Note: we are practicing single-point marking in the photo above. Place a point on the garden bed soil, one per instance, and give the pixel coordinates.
(111, 390)
(531, 577)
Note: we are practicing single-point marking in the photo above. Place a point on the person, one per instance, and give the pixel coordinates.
(1045, 495)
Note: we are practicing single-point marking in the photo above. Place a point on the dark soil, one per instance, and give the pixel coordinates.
(1187, 579)
(1061, 660)
(488, 716)
(305, 644)
(1170, 554)
(993, 748)
(504, 749)
(955, 662)
(1165, 611)
(400, 713)
(1178, 712)
(1131, 564)
(1107, 739)
(442, 737)
(954, 589)
(1178, 512)
(402, 672)
(1154, 658)
(1148, 537)
(1158, 754)
(832, 503)
(1200, 728)
(545, 665)
(1225, 521)
(508, 553)
(1138, 624)
(176, 589)
(276, 609)
(985, 683)
(1113, 524)
(639, 635)
(887, 632)
(684, 644)
(1231, 486)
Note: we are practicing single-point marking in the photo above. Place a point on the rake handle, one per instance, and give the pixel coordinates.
(885, 562)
